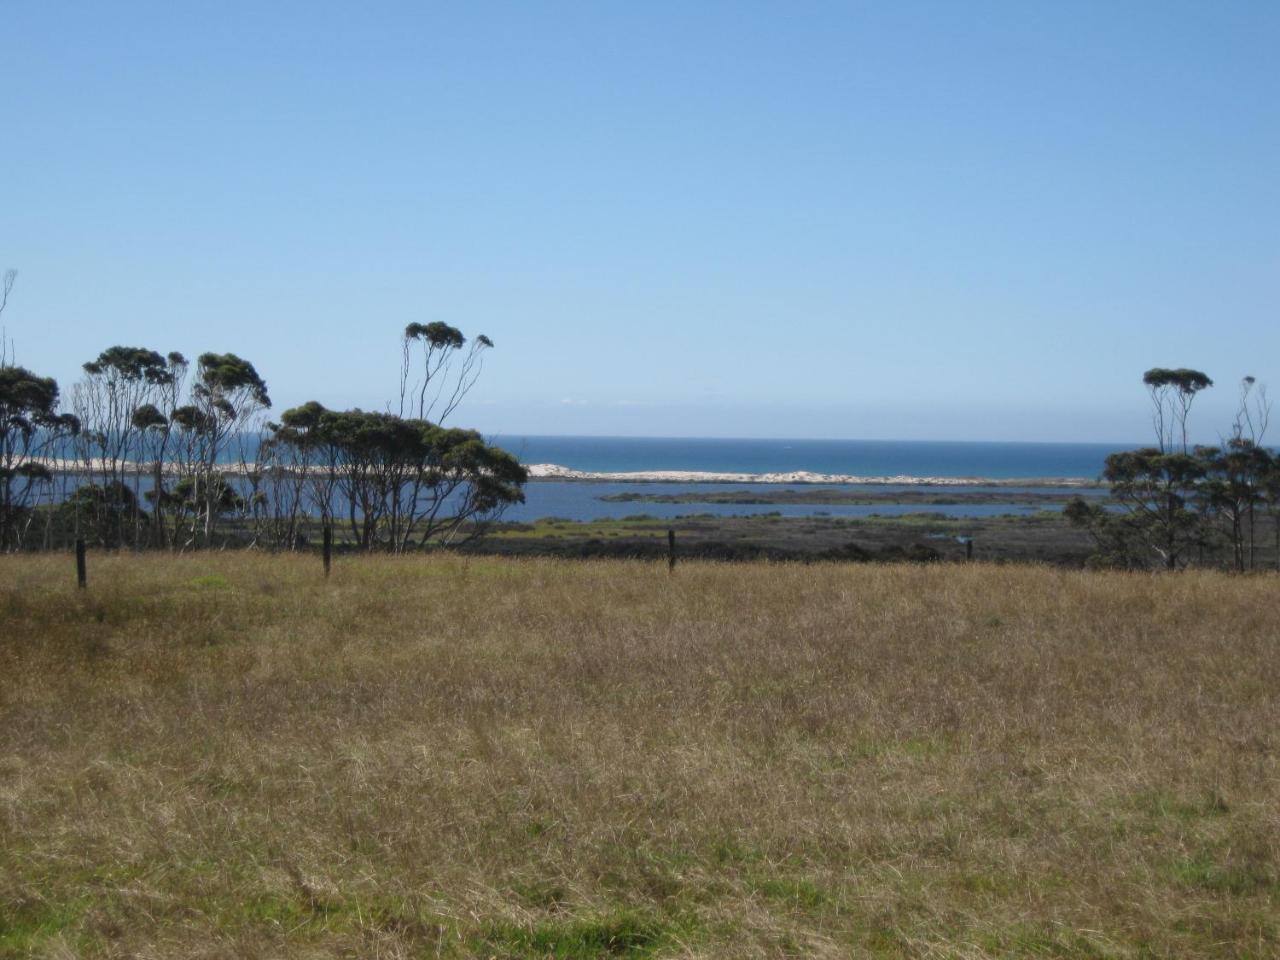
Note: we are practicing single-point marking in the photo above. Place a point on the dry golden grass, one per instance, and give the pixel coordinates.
(226, 756)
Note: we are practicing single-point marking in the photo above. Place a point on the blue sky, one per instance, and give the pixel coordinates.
(894, 220)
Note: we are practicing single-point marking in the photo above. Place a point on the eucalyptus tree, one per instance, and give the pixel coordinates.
(1253, 411)
(30, 429)
(100, 512)
(1233, 486)
(1160, 490)
(403, 482)
(159, 440)
(1248, 431)
(1271, 496)
(1158, 487)
(1236, 480)
(189, 432)
(1172, 393)
(1117, 536)
(152, 427)
(31, 434)
(377, 456)
(116, 385)
(301, 466)
(468, 484)
(226, 397)
(445, 370)
(403, 478)
(190, 496)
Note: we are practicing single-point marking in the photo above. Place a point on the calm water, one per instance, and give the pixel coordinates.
(859, 457)
(582, 501)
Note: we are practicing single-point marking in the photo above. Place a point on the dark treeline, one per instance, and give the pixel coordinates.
(1187, 505)
(152, 451)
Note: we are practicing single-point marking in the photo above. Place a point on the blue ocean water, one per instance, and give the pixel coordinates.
(867, 458)
(858, 457)
(583, 501)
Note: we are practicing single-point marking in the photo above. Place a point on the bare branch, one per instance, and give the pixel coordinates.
(7, 355)
(6, 287)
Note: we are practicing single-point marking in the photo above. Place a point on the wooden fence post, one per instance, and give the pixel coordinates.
(671, 550)
(82, 575)
(968, 549)
(327, 549)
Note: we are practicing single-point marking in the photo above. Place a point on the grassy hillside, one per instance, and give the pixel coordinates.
(225, 756)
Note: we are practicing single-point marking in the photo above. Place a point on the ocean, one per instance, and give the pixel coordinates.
(876, 458)
(583, 500)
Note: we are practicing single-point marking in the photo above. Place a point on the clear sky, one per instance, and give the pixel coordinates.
(951, 220)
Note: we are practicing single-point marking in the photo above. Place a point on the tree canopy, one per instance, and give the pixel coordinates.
(131, 363)
(224, 376)
(403, 480)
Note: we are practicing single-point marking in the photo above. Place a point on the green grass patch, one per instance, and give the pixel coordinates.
(1245, 879)
(1160, 804)
(618, 933)
(24, 927)
(915, 748)
(210, 581)
(1028, 940)
(794, 891)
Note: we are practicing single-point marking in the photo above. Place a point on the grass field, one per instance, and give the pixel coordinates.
(224, 755)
